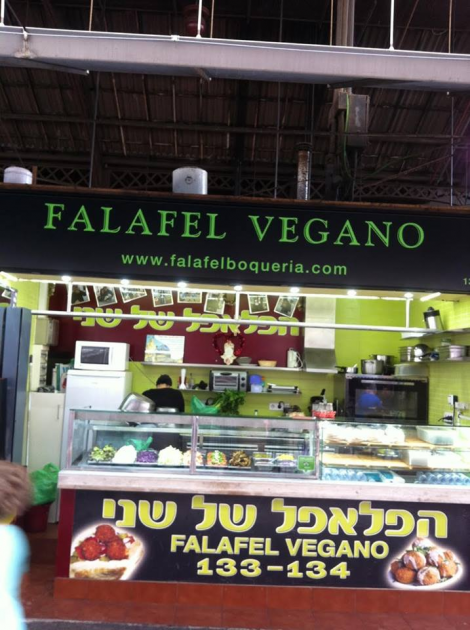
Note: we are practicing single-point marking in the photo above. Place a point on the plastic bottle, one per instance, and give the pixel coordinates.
(191, 382)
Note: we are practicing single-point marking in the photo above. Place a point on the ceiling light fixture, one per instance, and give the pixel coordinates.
(125, 282)
(431, 296)
(182, 285)
(351, 292)
(66, 278)
(238, 287)
(294, 289)
(408, 295)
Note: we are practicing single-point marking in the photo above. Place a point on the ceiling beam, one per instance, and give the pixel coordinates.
(234, 59)
(431, 139)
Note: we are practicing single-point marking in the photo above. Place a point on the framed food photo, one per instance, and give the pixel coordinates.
(286, 305)
(162, 297)
(80, 294)
(215, 303)
(258, 303)
(130, 294)
(105, 296)
(164, 349)
(189, 297)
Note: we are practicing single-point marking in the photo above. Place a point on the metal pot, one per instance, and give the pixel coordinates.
(407, 354)
(386, 358)
(137, 402)
(372, 366)
(347, 370)
(432, 319)
(421, 351)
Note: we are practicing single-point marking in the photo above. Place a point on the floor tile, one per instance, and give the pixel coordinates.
(199, 594)
(198, 616)
(332, 621)
(290, 619)
(456, 604)
(155, 614)
(285, 598)
(421, 603)
(459, 622)
(245, 618)
(370, 601)
(334, 600)
(382, 621)
(244, 597)
(428, 622)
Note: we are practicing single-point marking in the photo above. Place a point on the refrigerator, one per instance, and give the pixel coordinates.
(92, 389)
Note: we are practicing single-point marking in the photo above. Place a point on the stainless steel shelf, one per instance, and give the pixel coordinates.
(433, 333)
(258, 368)
(209, 391)
(461, 360)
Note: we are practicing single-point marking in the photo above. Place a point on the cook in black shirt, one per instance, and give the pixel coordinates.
(164, 395)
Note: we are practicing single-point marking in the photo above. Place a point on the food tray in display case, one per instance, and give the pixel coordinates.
(190, 444)
(410, 450)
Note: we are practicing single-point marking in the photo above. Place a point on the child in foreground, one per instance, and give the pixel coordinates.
(15, 495)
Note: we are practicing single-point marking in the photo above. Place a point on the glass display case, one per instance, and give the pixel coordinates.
(339, 450)
(183, 443)
(395, 453)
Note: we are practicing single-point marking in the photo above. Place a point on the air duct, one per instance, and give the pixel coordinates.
(190, 181)
(319, 343)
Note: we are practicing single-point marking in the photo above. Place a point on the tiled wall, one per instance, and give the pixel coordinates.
(446, 378)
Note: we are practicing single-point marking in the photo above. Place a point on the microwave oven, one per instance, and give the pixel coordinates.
(220, 380)
(101, 355)
(386, 399)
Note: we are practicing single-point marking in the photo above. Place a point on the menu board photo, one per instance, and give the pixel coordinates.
(164, 349)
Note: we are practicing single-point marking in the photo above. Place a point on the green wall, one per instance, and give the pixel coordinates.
(446, 378)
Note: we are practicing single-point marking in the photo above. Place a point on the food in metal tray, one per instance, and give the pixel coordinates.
(170, 456)
(125, 455)
(261, 456)
(149, 456)
(216, 458)
(240, 458)
(104, 454)
(285, 457)
(187, 459)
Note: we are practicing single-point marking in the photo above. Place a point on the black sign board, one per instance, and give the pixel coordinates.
(198, 240)
(275, 541)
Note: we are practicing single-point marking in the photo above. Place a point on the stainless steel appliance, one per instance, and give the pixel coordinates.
(432, 319)
(387, 399)
(372, 366)
(220, 380)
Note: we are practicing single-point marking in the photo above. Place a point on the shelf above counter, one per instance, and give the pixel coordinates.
(410, 443)
(370, 461)
(459, 360)
(210, 391)
(248, 368)
(433, 333)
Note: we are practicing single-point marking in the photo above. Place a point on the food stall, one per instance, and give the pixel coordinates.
(263, 501)
(364, 499)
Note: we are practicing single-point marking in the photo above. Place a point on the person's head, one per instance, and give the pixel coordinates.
(15, 490)
(164, 381)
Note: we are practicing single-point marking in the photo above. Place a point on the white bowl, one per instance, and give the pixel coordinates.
(244, 360)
